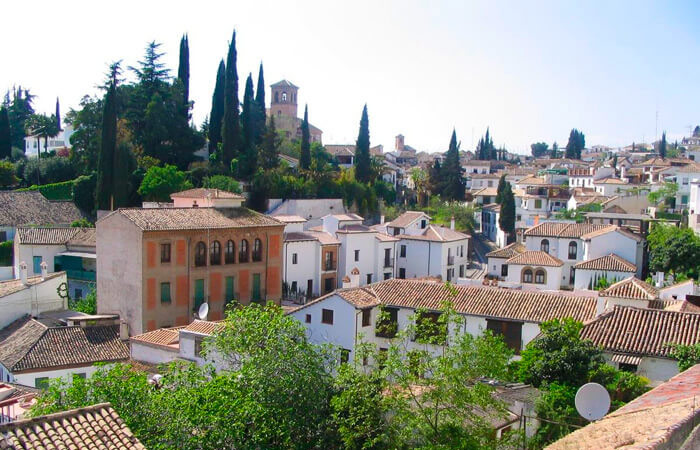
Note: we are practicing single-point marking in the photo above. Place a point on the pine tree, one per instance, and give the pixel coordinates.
(260, 107)
(451, 173)
(506, 219)
(435, 178)
(501, 187)
(662, 146)
(555, 151)
(216, 116)
(362, 158)
(108, 148)
(5, 136)
(58, 115)
(305, 159)
(248, 118)
(269, 149)
(230, 133)
(572, 146)
(183, 70)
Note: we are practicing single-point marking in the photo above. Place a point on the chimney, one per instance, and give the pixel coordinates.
(123, 331)
(346, 282)
(599, 305)
(381, 219)
(23, 272)
(399, 142)
(44, 270)
(659, 280)
(452, 223)
(355, 278)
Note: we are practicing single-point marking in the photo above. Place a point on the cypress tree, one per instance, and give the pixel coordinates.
(5, 136)
(108, 148)
(305, 159)
(451, 173)
(435, 178)
(58, 115)
(269, 149)
(260, 106)
(662, 146)
(183, 69)
(248, 122)
(506, 219)
(571, 144)
(501, 187)
(216, 116)
(362, 159)
(231, 133)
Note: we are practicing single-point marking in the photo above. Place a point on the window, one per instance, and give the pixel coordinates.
(544, 245)
(369, 278)
(344, 355)
(366, 317)
(198, 293)
(37, 264)
(511, 332)
(402, 273)
(230, 254)
(540, 276)
(628, 367)
(215, 253)
(198, 346)
(256, 294)
(327, 316)
(572, 275)
(387, 323)
(357, 255)
(165, 253)
(200, 254)
(230, 294)
(423, 223)
(387, 275)
(403, 251)
(308, 318)
(538, 204)
(504, 270)
(309, 288)
(328, 263)
(461, 270)
(41, 382)
(165, 293)
(277, 97)
(572, 249)
(243, 252)
(527, 276)
(328, 285)
(284, 96)
(294, 286)
(294, 258)
(257, 250)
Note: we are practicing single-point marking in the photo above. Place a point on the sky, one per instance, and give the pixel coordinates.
(620, 71)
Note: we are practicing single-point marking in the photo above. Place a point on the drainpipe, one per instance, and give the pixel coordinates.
(267, 257)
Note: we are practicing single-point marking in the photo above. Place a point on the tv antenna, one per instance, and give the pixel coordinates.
(592, 401)
(203, 311)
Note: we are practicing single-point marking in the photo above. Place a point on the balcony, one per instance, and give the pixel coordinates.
(388, 262)
(450, 260)
(329, 265)
(80, 275)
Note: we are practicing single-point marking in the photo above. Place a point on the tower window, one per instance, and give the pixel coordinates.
(284, 96)
(277, 97)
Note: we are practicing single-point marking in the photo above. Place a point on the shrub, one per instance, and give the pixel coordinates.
(160, 182)
(222, 182)
(54, 191)
(6, 253)
(7, 174)
(84, 192)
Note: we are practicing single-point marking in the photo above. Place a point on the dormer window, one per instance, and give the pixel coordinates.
(423, 223)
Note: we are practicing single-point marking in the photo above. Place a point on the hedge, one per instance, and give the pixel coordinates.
(54, 191)
(6, 251)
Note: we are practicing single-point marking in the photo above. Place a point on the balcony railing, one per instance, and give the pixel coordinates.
(450, 260)
(329, 265)
(388, 262)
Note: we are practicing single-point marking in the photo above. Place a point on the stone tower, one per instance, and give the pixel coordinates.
(284, 99)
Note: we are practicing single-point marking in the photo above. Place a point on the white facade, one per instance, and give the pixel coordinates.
(657, 370)
(584, 278)
(37, 297)
(552, 280)
(61, 140)
(447, 260)
(619, 243)
(34, 378)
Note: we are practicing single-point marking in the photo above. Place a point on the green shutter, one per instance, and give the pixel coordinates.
(229, 290)
(165, 292)
(256, 287)
(198, 293)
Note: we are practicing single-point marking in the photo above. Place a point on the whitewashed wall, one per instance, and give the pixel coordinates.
(151, 354)
(29, 379)
(553, 279)
(36, 299)
(307, 266)
(584, 276)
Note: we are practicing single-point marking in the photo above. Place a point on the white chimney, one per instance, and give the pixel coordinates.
(44, 270)
(452, 223)
(23, 272)
(346, 282)
(600, 305)
(355, 278)
(659, 279)
(123, 331)
(381, 219)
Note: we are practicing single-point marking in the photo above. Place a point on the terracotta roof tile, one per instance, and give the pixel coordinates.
(97, 426)
(162, 219)
(161, 336)
(641, 331)
(49, 236)
(407, 219)
(508, 251)
(204, 193)
(535, 258)
(610, 262)
(631, 288)
(564, 229)
(202, 327)
(32, 208)
(436, 234)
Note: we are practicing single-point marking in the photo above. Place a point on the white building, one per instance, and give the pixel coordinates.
(313, 210)
(609, 267)
(497, 266)
(490, 228)
(32, 144)
(534, 269)
(475, 166)
(30, 296)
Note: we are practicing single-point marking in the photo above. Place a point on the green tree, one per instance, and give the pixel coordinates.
(539, 149)
(555, 151)
(183, 71)
(435, 182)
(663, 146)
(666, 193)
(58, 115)
(500, 189)
(216, 116)
(249, 158)
(160, 182)
(362, 156)
(222, 182)
(19, 110)
(576, 143)
(107, 160)
(86, 137)
(674, 250)
(7, 174)
(687, 355)
(5, 136)
(260, 109)
(269, 149)
(506, 219)
(231, 139)
(87, 305)
(305, 159)
(454, 184)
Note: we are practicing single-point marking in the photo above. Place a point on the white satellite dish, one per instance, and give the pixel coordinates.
(203, 311)
(592, 401)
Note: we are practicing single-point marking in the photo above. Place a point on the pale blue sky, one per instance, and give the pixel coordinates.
(529, 70)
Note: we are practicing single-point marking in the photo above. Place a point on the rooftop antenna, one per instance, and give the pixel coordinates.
(592, 401)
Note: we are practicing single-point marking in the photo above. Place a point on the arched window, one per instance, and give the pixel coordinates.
(230, 255)
(540, 276)
(277, 97)
(284, 96)
(544, 245)
(200, 254)
(215, 253)
(572, 249)
(527, 276)
(257, 250)
(243, 252)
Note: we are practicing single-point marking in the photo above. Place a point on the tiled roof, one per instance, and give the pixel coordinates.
(50, 236)
(162, 336)
(528, 306)
(610, 262)
(532, 180)
(436, 233)
(382, 237)
(535, 258)
(162, 219)
(347, 217)
(336, 149)
(283, 83)
(86, 237)
(8, 287)
(295, 236)
(354, 228)
(324, 238)
(641, 331)
(610, 180)
(289, 218)
(633, 288)
(407, 219)
(32, 208)
(202, 327)
(97, 427)
(508, 251)
(564, 229)
(29, 347)
(204, 193)
(487, 191)
(610, 229)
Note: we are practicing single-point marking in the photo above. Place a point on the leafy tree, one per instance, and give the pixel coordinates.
(87, 305)
(500, 189)
(160, 182)
(5, 136)
(7, 174)
(222, 182)
(107, 160)
(362, 157)
(42, 127)
(539, 149)
(269, 149)
(577, 142)
(506, 219)
(183, 71)
(419, 179)
(556, 406)
(231, 128)
(687, 355)
(216, 116)
(665, 193)
(662, 146)
(674, 250)
(82, 223)
(454, 185)
(19, 110)
(86, 137)
(305, 159)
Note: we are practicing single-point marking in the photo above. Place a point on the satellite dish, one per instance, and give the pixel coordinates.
(592, 401)
(203, 311)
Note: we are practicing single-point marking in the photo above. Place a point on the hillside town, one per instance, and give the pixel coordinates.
(252, 283)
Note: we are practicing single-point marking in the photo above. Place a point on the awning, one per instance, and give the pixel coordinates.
(626, 359)
(79, 254)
